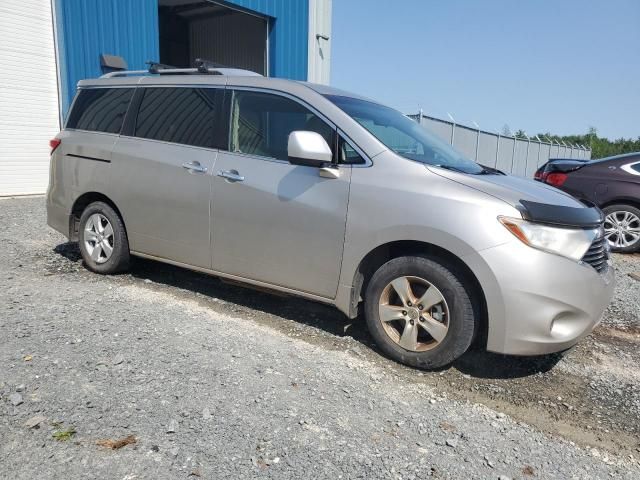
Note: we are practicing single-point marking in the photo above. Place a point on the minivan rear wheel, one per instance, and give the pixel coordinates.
(622, 228)
(419, 312)
(103, 239)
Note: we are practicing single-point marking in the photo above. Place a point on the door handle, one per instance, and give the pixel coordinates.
(231, 175)
(194, 167)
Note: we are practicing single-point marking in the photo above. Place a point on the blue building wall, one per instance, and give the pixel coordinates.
(129, 28)
(87, 28)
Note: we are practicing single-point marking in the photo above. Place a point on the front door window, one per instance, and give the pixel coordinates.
(261, 124)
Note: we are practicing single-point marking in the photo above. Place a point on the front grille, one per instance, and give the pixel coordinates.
(598, 254)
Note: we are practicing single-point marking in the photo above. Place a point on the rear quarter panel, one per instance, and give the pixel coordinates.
(583, 183)
(79, 165)
(620, 186)
(604, 183)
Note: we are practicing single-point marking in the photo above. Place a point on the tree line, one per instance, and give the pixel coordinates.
(600, 147)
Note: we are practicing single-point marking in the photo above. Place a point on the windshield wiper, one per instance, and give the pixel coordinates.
(490, 171)
(485, 170)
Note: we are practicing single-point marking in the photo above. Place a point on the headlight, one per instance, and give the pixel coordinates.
(568, 242)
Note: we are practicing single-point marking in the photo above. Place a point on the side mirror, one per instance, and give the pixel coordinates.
(309, 149)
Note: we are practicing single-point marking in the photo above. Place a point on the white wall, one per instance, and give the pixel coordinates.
(29, 115)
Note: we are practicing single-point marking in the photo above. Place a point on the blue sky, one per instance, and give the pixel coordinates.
(559, 66)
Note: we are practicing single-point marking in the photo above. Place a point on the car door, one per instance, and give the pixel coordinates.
(161, 173)
(272, 221)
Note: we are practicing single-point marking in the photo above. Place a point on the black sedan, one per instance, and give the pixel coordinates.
(612, 183)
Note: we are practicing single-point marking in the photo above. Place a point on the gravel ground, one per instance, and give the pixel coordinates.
(215, 381)
(624, 311)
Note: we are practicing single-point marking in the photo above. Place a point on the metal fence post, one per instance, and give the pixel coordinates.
(526, 158)
(539, 150)
(497, 151)
(550, 147)
(453, 127)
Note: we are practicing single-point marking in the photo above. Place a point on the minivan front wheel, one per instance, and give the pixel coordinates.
(103, 239)
(419, 312)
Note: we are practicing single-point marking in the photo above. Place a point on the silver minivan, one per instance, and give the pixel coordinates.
(316, 192)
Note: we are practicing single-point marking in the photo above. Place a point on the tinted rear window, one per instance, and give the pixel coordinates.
(100, 109)
(636, 167)
(178, 115)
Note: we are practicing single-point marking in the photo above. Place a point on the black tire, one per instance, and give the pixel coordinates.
(118, 260)
(462, 321)
(634, 247)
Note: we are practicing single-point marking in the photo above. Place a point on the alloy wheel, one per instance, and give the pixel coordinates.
(414, 313)
(622, 229)
(98, 238)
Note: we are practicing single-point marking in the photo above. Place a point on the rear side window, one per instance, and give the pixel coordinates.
(100, 109)
(636, 167)
(178, 115)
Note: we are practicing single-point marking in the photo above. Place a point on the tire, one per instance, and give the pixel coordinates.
(456, 311)
(94, 240)
(626, 217)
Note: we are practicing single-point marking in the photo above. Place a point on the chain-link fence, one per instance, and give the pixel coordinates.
(519, 156)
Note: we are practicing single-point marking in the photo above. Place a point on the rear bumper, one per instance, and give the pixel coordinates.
(58, 218)
(539, 302)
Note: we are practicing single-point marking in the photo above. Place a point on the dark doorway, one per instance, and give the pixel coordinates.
(191, 29)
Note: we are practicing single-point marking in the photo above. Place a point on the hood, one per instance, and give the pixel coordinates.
(536, 201)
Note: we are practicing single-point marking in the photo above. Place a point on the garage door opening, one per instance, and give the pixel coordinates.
(191, 29)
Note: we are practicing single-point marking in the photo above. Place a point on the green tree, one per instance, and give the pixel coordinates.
(600, 147)
(520, 134)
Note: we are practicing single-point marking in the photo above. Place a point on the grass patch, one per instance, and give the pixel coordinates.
(64, 435)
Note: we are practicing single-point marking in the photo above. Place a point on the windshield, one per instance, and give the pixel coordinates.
(404, 136)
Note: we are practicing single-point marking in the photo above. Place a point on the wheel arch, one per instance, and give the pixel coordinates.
(633, 202)
(81, 203)
(381, 254)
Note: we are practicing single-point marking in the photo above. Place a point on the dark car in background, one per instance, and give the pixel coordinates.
(612, 183)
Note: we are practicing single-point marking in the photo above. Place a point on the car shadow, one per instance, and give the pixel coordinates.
(292, 308)
(481, 364)
(69, 250)
(476, 363)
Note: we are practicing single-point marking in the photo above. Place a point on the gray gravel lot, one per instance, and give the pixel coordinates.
(217, 381)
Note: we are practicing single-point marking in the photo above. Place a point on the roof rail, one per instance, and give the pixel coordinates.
(203, 67)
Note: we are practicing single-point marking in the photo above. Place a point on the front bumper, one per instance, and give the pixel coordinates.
(539, 302)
